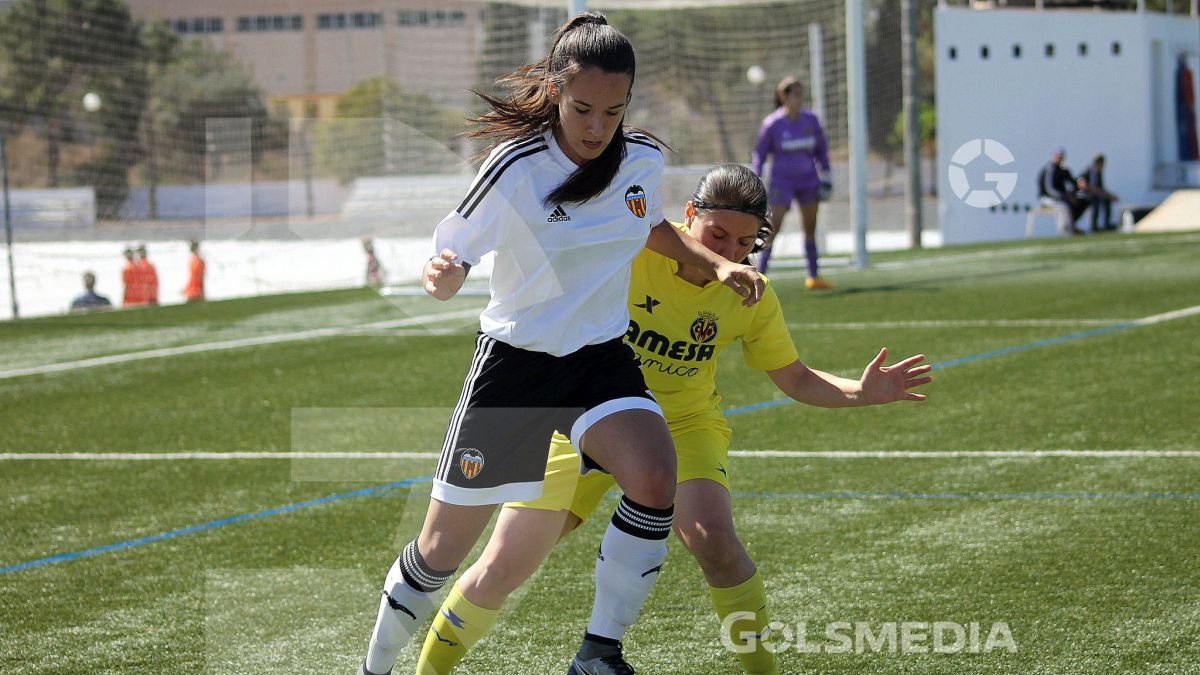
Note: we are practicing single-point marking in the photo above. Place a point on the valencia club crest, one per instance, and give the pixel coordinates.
(635, 199)
(470, 462)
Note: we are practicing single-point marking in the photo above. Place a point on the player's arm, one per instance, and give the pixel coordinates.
(666, 240)
(444, 275)
(879, 383)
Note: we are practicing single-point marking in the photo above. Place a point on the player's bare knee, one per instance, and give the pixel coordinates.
(654, 486)
(501, 576)
(441, 554)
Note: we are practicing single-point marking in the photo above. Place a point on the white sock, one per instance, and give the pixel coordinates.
(631, 555)
(410, 594)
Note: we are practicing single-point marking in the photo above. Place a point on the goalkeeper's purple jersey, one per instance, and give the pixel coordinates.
(796, 147)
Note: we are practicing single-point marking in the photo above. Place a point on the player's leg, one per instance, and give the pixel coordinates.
(418, 574)
(704, 523)
(494, 451)
(525, 534)
(780, 200)
(635, 447)
(808, 220)
(522, 540)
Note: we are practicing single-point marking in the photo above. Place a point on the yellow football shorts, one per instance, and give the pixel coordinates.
(701, 446)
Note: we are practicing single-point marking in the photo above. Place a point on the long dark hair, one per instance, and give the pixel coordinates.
(585, 41)
(733, 187)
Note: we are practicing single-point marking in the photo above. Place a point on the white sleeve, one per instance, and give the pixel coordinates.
(656, 206)
(479, 224)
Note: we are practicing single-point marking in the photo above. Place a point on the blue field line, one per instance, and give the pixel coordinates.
(977, 496)
(1049, 342)
(64, 557)
(1070, 337)
(131, 543)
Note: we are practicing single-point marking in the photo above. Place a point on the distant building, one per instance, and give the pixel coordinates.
(306, 53)
(1014, 83)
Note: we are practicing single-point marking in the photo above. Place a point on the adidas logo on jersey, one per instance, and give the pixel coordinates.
(559, 216)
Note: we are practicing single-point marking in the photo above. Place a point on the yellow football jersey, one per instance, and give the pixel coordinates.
(678, 329)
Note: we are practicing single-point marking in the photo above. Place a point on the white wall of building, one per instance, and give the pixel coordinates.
(1099, 92)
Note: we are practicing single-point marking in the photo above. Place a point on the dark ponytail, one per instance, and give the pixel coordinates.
(585, 41)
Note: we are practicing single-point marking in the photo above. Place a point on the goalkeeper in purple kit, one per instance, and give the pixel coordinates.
(792, 137)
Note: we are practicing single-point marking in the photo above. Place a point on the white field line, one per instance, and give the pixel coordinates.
(957, 323)
(176, 456)
(981, 454)
(750, 454)
(1167, 316)
(239, 343)
(1002, 253)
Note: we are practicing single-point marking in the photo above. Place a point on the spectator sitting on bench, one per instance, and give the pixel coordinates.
(1057, 188)
(1100, 200)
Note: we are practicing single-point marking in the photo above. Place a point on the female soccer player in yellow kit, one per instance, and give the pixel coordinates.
(679, 325)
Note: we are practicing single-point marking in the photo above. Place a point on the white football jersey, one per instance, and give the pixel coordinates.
(561, 273)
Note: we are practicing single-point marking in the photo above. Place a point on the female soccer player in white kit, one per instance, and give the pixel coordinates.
(566, 199)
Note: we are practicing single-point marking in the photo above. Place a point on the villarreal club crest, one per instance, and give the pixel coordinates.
(704, 328)
(470, 462)
(635, 199)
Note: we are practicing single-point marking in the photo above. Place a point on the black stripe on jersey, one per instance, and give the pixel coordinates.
(493, 170)
(642, 140)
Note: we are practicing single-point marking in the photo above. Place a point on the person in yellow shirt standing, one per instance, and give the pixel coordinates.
(680, 324)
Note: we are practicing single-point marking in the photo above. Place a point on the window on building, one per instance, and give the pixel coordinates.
(953, 53)
(984, 52)
(437, 17)
(1116, 48)
(197, 25)
(244, 25)
(1083, 49)
(297, 22)
(366, 19)
(1016, 51)
(331, 21)
(1049, 49)
(262, 23)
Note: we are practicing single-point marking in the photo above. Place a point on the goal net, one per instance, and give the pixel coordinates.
(298, 119)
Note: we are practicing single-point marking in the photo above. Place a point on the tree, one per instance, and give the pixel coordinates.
(199, 86)
(51, 51)
(382, 129)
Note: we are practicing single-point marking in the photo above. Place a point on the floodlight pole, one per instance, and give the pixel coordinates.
(12, 276)
(857, 100)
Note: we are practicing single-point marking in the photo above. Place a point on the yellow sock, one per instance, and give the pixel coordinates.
(751, 597)
(458, 625)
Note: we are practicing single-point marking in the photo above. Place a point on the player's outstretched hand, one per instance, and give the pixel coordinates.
(444, 275)
(885, 384)
(743, 279)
